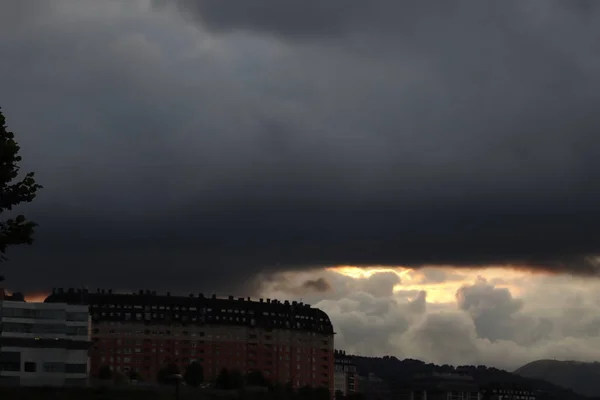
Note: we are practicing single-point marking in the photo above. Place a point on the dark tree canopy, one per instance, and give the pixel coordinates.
(119, 377)
(13, 191)
(313, 393)
(134, 375)
(355, 396)
(222, 381)
(194, 374)
(236, 379)
(167, 373)
(256, 378)
(229, 379)
(104, 373)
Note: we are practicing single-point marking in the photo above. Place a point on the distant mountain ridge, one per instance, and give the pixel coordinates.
(396, 372)
(581, 377)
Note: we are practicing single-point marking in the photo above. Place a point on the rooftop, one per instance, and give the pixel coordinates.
(149, 307)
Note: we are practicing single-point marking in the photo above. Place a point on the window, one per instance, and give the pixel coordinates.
(77, 316)
(17, 313)
(51, 314)
(10, 361)
(49, 328)
(54, 367)
(29, 366)
(76, 331)
(17, 327)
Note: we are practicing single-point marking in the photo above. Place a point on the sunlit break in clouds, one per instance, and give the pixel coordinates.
(441, 285)
(505, 317)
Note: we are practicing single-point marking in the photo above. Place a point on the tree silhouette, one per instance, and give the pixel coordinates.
(104, 373)
(236, 379)
(256, 378)
(355, 396)
(16, 230)
(313, 393)
(194, 374)
(165, 374)
(321, 393)
(305, 393)
(134, 375)
(222, 381)
(119, 378)
(229, 379)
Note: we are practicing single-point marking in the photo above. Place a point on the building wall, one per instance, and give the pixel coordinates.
(346, 377)
(49, 366)
(340, 382)
(302, 358)
(287, 342)
(44, 344)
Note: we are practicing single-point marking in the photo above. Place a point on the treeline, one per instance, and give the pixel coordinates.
(396, 373)
(193, 376)
(169, 374)
(233, 380)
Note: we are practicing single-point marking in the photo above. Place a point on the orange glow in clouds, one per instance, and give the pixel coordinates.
(36, 297)
(444, 290)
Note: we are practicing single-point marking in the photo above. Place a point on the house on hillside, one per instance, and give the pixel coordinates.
(440, 386)
(507, 391)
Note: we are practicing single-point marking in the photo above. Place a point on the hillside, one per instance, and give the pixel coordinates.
(582, 377)
(395, 372)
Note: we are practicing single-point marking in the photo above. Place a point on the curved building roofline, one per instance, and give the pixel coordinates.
(106, 305)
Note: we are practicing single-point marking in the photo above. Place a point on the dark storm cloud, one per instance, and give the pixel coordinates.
(401, 21)
(410, 133)
(317, 285)
(283, 283)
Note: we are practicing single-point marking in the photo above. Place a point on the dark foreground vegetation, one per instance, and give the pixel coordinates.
(173, 384)
(395, 374)
(157, 393)
(230, 383)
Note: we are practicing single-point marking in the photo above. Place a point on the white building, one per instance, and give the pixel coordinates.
(345, 376)
(43, 344)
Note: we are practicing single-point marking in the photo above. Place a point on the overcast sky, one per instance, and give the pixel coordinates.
(213, 145)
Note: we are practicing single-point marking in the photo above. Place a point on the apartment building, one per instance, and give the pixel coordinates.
(441, 386)
(143, 332)
(345, 376)
(43, 344)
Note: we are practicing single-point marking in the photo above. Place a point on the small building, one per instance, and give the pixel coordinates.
(345, 376)
(374, 388)
(441, 386)
(508, 391)
(43, 344)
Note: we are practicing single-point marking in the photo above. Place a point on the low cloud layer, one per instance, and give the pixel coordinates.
(551, 318)
(200, 145)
